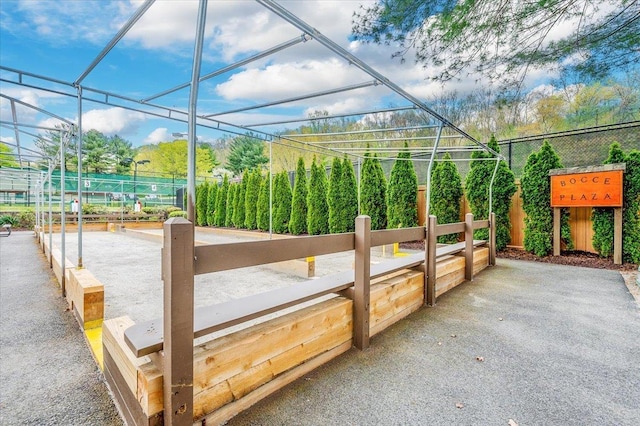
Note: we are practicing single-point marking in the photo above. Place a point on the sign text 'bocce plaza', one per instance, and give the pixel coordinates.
(587, 188)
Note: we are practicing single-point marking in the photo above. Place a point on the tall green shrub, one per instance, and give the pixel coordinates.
(601, 217)
(231, 200)
(239, 207)
(211, 203)
(318, 207)
(334, 199)
(202, 192)
(348, 197)
(281, 203)
(477, 193)
(298, 222)
(251, 199)
(536, 202)
(373, 192)
(446, 193)
(262, 218)
(402, 194)
(631, 212)
(221, 203)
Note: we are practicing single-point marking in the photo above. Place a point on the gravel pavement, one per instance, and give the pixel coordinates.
(47, 373)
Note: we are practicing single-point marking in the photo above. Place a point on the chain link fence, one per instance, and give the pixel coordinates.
(576, 148)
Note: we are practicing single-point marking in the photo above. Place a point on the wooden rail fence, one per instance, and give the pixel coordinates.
(165, 390)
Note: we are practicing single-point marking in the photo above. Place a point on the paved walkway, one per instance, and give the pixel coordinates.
(535, 343)
(47, 373)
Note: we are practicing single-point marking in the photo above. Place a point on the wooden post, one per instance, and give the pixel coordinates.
(177, 272)
(361, 297)
(468, 246)
(430, 261)
(557, 224)
(492, 239)
(617, 235)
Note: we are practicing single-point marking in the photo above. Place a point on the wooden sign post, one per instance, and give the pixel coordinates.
(594, 186)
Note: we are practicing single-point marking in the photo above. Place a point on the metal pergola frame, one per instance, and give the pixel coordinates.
(435, 124)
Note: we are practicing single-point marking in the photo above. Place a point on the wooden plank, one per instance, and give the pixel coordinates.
(255, 358)
(449, 228)
(449, 281)
(220, 359)
(389, 313)
(617, 236)
(223, 257)
(149, 390)
(414, 302)
(215, 396)
(390, 236)
(230, 410)
(557, 223)
(126, 402)
(113, 343)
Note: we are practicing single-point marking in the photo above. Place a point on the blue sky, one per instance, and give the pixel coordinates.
(60, 39)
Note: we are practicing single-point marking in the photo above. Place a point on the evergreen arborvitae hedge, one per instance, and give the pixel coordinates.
(298, 222)
(536, 202)
(239, 207)
(334, 198)
(231, 199)
(348, 197)
(262, 215)
(211, 203)
(446, 193)
(251, 199)
(402, 194)
(603, 222)
(318, 207)
(601, 217)
(201, 204)
(477, 193)
(631, 212)
(373, 192)
(221, 202)
(281, 203)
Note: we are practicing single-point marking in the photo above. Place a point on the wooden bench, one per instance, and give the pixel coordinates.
(6, 230)
(146, 337)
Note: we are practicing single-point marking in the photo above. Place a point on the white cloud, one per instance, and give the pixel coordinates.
(112, 120)
(289, 79)
(161, 134)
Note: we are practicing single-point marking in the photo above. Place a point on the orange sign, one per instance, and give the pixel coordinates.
(591, 189)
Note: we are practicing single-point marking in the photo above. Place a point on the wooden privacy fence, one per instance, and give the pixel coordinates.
(173, 336)
(579, 220)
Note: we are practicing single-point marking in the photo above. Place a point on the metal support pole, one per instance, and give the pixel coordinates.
(430, 261)
(493, 178)
(270, 189)
(79, 142)
(358, 180)
(361, 296)
(178, 270)
(468, 247)
(50, 214)
(431, 160)
(37, 230)
(63, 149)
(193, 101)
